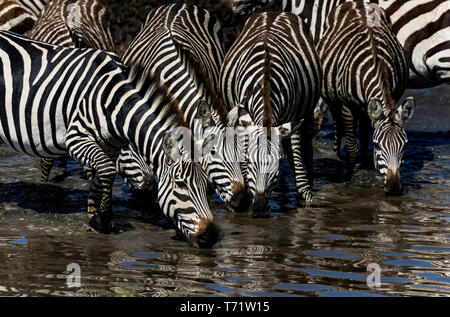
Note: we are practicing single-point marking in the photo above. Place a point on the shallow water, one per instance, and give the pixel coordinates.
(322, 250)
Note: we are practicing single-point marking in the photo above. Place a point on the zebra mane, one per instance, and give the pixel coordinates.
(196, 64)
(267, 118)
(147, 82)
(390, 103)
(381, 72)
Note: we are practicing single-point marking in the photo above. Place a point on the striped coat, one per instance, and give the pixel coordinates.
(272, 73)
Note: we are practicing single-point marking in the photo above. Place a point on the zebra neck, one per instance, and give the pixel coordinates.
(148, 113)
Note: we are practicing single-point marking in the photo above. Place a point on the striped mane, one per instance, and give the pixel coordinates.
(267, 117)
(196, 66)
(381, 72)
(147, 82)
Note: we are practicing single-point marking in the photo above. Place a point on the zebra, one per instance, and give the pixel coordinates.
(272, 73)
(183, 44)
(15, 18)
(421, 26)
(86, 103)
(81, 23)
(35, 7)
(365, 74)
(74, 23)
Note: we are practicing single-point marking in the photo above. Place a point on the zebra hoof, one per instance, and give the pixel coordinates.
(98, 225)
(307, 197)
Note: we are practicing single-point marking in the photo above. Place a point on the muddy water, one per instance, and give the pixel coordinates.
(322, 250)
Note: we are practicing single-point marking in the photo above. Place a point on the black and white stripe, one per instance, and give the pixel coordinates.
(56, 100)
(365, 73)
(81, 23)
(272, 74)
(34, 6)
(15, 18)
(421, 26)
(183, 45)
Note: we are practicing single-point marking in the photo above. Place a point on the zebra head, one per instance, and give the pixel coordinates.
(221, 159)
(389, 140)
(182, 187)
(133, 169)
(263, 152)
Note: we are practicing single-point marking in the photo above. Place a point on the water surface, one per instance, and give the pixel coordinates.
(321, 250)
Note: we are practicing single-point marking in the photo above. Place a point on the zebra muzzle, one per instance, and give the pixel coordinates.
(260, 207)
(393, 185)
(206, 236)
(239, 201)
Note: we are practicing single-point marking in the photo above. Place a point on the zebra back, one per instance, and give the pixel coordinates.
(15, 18)
(421, 26)
(81, 23)
(272, 48)
(351, 51)
(34, 6)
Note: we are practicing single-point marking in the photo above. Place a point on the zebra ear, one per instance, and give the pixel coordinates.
(374, 109)
(233, 116)
(287, 129)
(245, 119)
(204, 114)
(406, 110)
(171, 146)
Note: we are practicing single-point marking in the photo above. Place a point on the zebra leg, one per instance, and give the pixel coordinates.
(46, 168)
(319, 113)
(99, 200)
(301, 178)
(307, 152)
(350, 136)
(84, 150)
(338, 132)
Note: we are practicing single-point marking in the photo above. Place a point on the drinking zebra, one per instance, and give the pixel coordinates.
(183, 44)
(81, 23)
(15, 18)
(272, 74)
(57, 100)
(421, 26)
(365, 73)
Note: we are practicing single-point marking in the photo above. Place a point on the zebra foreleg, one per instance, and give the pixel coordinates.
(350, 137)
(99, 201)
(46, 168)
(301, 178)
(47, 165)
(364, 135)
(338, 132)
(84, 150)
